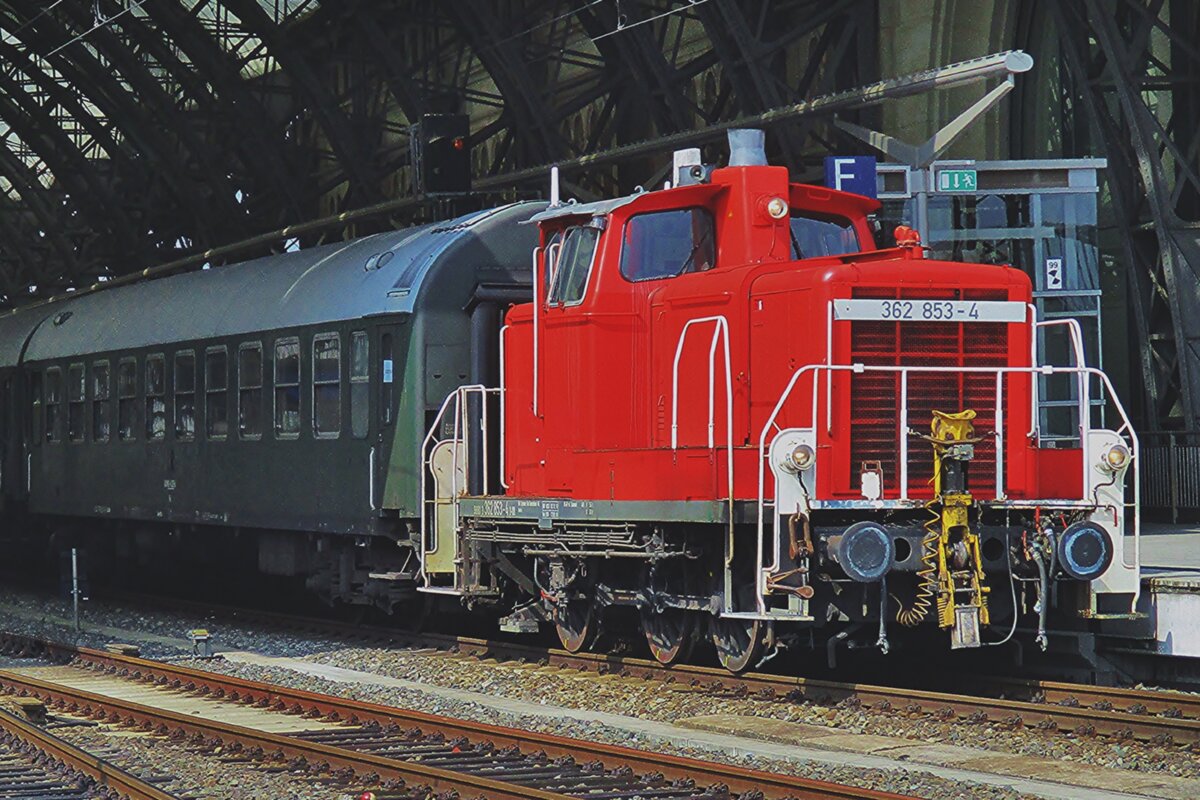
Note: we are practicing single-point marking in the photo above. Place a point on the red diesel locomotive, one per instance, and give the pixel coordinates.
(728, 408)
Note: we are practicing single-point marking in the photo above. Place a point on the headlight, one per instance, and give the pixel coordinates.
(777, 208)
(1116, 458)
(798, 459)
(802, 457)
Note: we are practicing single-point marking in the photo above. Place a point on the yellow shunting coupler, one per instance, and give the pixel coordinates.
(952, 565)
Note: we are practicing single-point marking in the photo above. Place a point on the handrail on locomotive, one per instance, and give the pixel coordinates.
(816, 370)
(720, 335)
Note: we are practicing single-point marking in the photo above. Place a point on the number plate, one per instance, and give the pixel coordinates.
(930, 310)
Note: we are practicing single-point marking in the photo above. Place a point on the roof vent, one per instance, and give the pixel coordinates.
(747, 147)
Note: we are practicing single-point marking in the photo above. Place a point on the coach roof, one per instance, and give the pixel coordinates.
(15, 329)
(379, 274)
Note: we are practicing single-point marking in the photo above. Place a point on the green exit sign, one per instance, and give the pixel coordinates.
(958, 180)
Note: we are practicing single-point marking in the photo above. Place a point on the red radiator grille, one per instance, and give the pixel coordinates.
(875, 397)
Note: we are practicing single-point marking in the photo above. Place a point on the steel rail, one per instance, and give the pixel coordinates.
(736, 779)
(271, 744)
(1142, 714)
(1084, 710)
(79, 762)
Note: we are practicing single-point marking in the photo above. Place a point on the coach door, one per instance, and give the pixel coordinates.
(384, 346)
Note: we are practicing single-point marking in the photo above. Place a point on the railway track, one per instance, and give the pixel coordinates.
(37, 765)
(406, 751)
(1155, 716)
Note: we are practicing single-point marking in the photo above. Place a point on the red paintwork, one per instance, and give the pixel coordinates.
(604, 428)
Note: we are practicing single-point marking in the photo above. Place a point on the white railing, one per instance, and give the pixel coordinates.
(720, 334)
(1084, 389)
(537, 313)
(462, 444)
(819, 370)
(503, 403)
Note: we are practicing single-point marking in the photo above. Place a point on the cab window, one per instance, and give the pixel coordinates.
(572, 266)
(550, 261)
(814, 235)
(666, 244)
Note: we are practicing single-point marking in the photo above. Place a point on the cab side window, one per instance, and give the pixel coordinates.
(550, 260)
(573, 265)
(666, 244)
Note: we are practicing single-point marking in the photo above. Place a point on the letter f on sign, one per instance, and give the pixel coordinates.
(840, 174)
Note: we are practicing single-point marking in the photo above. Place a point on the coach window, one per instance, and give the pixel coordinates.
(53, 388)
(101, 405)
(327, 385)
(216, 392)
(126, 398)
(665, 244)
(287, 388)
(185, 395)
(156, 402)
(76, 403)
(360, 388)
(250, 380)
(573, 266)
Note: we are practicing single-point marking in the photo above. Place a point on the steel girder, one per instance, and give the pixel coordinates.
(236, 119)
(1136, 67)
(189, 124)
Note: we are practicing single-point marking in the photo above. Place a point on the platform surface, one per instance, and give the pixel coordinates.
(1170, 547)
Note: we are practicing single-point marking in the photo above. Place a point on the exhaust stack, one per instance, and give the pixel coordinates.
(747, 147)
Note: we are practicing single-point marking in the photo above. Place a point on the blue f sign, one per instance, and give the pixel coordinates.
(851, 174)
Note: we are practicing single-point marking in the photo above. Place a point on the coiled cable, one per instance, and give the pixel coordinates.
(926, 576)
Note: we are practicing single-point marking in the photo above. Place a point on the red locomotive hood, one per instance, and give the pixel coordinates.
(913, 274)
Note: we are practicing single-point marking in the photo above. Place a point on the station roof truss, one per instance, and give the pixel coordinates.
(1133, 75)
(134, 132)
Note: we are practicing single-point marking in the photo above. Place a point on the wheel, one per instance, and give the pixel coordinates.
(670, 634)
(576, 623)
(739, 642)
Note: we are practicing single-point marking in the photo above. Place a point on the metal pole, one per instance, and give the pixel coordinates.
(1173, 470)
(75, 585)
